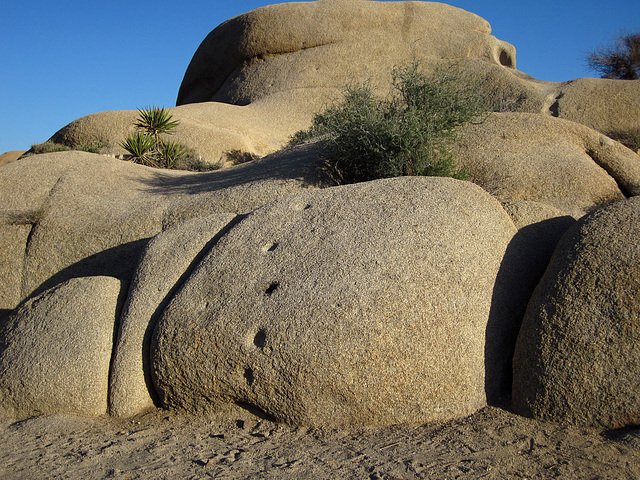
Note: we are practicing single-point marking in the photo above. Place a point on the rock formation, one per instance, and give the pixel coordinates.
(576, 360)
(265, 286)
(259, 77)
(56, 350)
(366, 303)
(523, 156)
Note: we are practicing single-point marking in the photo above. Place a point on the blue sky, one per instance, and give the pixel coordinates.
(61, 60)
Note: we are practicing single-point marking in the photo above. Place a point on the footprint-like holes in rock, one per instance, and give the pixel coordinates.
(260, 338)
(271, 288)
(270, 247)
(248, 376)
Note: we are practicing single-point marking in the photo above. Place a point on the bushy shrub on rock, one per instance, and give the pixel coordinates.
(407, 133)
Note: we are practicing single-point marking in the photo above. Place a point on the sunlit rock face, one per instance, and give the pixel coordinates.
(323, 45)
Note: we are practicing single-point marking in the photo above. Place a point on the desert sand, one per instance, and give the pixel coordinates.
(493, 443)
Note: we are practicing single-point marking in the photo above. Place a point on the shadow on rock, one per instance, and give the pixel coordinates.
(301, 164)
(118, 262)
(522, 267)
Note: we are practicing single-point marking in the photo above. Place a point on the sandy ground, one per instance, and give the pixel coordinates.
(493, 443)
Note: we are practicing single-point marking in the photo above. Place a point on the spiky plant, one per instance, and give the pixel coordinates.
(171, 151)
(156, 121)
(146, 146)
(141, 147)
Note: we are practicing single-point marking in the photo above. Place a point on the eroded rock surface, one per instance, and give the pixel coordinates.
(164, 264)
(73, 214)
(55, 350)
(576, 359)
(366, 303)
(519, 156)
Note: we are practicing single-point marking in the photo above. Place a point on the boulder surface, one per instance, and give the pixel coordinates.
(367, 303)
(577, 358)
(56, 350)
(70, 214)
(521, 156)
(164, 263)
(259, 77)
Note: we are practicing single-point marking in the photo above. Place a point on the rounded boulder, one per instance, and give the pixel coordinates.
(360, 304)
(55, 350)
(577, 359)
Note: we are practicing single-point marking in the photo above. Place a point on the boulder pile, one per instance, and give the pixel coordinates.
(266, 288)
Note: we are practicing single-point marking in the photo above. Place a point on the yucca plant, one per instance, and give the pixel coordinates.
(171, 151)
(156, 121)
(146, 146)
(141, 147)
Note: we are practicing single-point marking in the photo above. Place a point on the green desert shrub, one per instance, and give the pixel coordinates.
(236, 157)
(156, 121)
(47, 147)
(407, 133)
(50, 146)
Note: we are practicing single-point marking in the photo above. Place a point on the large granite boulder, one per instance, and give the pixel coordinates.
(11, 156)
(318, 47)
(577, 359)
(259, 77)
(324, 44)
(519, 156)
(216, 132)
(165, 262)
(366, 303)
(608, 106)
(55, 350)
(70, 214)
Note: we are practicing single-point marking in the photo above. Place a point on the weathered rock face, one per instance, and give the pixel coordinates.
(391, 301)
(608, 106)
(56, 350)
(284, 63)
(72, 214)
(165, 261)
(367, 303)
(215, 131)
(577, 359)
(11, 156)
(565, 165)
(323, 44)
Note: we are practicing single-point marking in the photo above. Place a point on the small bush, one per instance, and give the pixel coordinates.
(47, 147)
(156, 121)
(236, 157)
(620, 61)
(407, 133)
(195, 164)
(50, 146)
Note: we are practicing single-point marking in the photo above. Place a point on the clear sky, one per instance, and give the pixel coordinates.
(63, 59)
